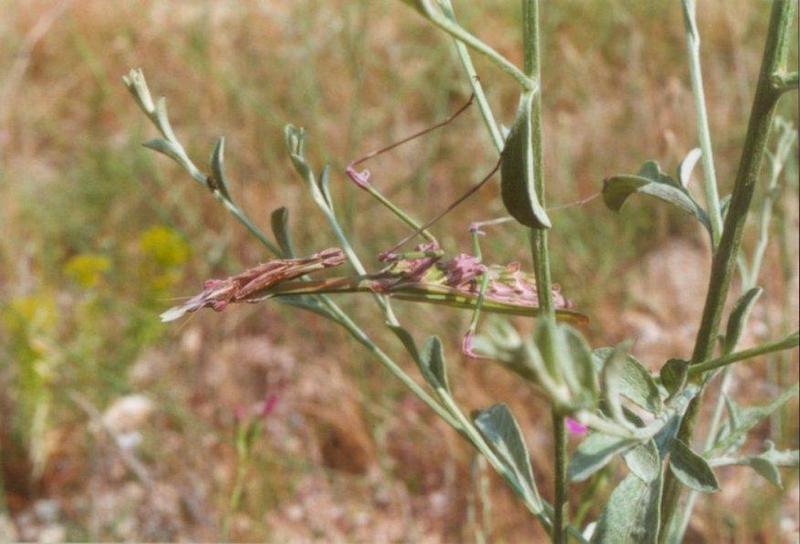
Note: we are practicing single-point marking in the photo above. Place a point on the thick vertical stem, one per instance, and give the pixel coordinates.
(766, 97)
(541, 256)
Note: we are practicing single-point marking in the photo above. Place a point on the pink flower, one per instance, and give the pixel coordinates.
(267, 406)
(575, 427)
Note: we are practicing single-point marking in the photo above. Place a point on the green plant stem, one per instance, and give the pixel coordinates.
(785, 82)
(361, 337)
(541, 256)
(766, 98)
(480, 97)
(789, 342)
(440, 20)
(703, 132)
(786, 139)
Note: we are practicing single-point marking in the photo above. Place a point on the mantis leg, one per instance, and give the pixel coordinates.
(466, 344)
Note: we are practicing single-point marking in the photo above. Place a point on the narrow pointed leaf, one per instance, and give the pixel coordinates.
(686, 167)
(280, 229)
(595, 452)
(738, 318)
(766, 463)
(673, 375)
(432, 359)
(500, 429)
(632, 514)
(218, 168)
(766, 470)
(517, 183)
(747, 418)
(581, 365)
(691, 469)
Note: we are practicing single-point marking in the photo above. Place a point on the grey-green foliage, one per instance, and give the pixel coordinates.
(593, 453)
(765, 463)
(501, 430)
(517, 183)
(650, 180)
(632, 514)
(742, 419)
(738, 318)
(635, 381)
(690, 468)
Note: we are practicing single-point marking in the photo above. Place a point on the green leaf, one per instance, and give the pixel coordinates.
(767, 470)
(653, 182)
(644, 461)
(741, 420)
(663, 437)
(517, 183)
(687, 165)
(766, 463)
(738, 318)
(636, 382)
(581, 367)
(781, 458)
(433, 364)
(691, 469)
(673, 375)
(593, 453)
(612, 380)
(724, 204)
(280, 228)
(218, 169)
(632, 514)
(500, 429)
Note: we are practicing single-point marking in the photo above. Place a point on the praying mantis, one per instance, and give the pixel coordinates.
(421, 275)
(482, 276)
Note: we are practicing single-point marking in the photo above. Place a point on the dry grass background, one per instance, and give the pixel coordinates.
(98, 233)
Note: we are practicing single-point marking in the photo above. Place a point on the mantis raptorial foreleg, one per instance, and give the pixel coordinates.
(476, 232)
(361, 178)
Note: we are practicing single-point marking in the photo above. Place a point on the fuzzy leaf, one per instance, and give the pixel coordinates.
(613, 383)
(632, 514)
(691, 469)
(595, 452)
(433, 364)
(517, 183)
(686, 167)
(644, 461)
(766, 463)
(767, 470)
(747, 418)
(501, 430)
(218, 168)
(673, 375)
(738, 318)
(581, 368)
(653, 182)
(636, 383)
(280, 228)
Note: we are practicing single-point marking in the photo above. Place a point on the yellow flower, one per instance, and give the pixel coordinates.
(86, 269)
(164, 246)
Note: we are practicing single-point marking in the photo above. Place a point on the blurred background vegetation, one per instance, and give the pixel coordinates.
(114, 426)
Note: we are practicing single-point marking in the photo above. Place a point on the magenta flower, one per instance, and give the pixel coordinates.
(575, 427)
